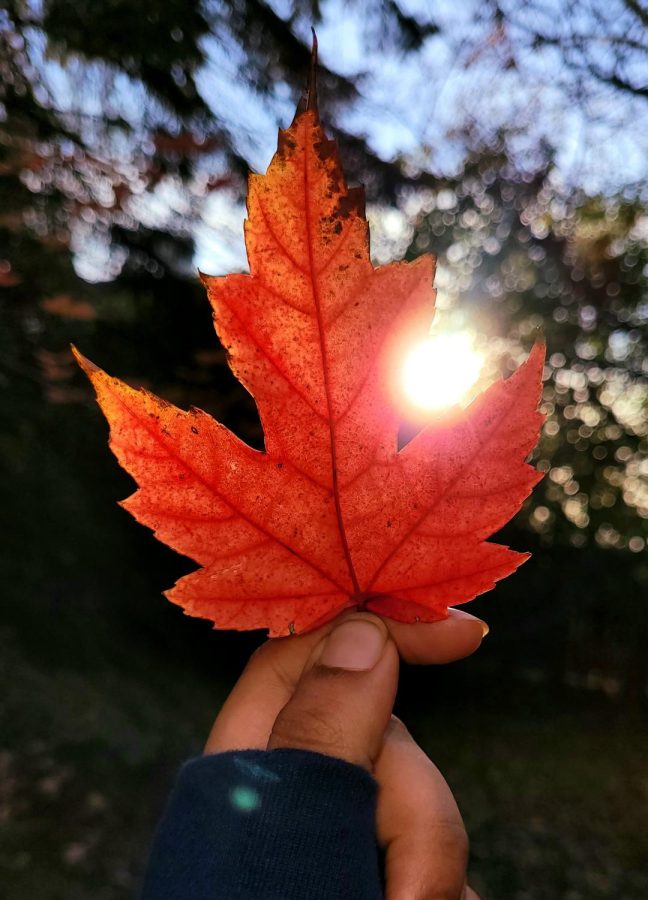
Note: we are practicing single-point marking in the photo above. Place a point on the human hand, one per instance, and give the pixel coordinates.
(332, 691)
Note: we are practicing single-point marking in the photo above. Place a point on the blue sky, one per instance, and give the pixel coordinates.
(409, 105)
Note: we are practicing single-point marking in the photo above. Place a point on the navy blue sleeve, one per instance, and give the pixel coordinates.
(267, 825)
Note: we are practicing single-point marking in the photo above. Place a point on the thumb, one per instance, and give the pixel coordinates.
(343, 701)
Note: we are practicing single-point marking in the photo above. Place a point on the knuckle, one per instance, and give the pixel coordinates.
(452, 839)
(309, 728)
(262, 651)
(397, 728)
(268, 658)
(435, 859)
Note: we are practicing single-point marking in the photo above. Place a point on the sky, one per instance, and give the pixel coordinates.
(409, 107)
(411, 102)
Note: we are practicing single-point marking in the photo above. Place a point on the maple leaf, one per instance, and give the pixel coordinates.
(331, 514)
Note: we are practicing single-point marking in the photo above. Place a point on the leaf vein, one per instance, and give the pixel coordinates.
(291, 259)
(246, 518)
(397, 546)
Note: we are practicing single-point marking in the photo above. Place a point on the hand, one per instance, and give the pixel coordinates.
(332, 691)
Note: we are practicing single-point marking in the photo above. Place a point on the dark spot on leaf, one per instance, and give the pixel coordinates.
(353, 202)
(325, 148)
(285, 143)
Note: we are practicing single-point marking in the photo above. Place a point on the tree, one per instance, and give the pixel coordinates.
(113, 139)
(522, 258)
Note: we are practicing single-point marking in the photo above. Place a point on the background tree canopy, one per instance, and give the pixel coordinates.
(509, 139)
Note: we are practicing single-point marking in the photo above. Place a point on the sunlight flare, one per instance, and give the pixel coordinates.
(440, 371)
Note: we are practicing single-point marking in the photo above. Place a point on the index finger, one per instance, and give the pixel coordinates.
(453, 638)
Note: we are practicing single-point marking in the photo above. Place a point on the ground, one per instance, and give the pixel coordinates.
(554, 798)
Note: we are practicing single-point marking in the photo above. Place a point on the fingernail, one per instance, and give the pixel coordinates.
(485, 628)
(356, 644)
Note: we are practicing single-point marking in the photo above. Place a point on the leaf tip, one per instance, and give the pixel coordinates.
(311, 102)
(522, 558)
(87, 365)
(536, 358)
(308, 102)
(539, 349)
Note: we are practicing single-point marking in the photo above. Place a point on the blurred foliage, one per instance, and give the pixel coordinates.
(115, 195)
(521, 259)
(121, 124)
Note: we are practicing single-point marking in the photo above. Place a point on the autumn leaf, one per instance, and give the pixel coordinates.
(331, 515)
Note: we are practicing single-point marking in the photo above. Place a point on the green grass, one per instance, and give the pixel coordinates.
(555, 802)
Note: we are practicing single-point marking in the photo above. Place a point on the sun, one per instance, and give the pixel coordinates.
(439, 372)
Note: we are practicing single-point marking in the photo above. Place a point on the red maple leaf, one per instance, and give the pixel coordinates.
(331, 515)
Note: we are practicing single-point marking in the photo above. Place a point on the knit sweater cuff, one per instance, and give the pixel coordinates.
(267, 825)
